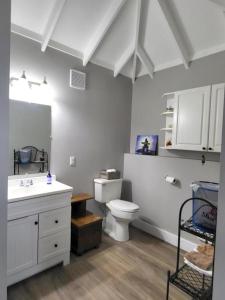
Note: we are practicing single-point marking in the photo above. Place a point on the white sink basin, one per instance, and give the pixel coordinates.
(39, 189)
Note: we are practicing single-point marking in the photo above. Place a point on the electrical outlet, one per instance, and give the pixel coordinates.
(72, 161)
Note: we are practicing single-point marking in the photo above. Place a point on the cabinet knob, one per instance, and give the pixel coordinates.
(210, 148)
(203, 148)
(56, 245)
(56, 221)
(36, 223)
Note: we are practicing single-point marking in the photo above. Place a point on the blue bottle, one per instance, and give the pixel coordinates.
(49, 178)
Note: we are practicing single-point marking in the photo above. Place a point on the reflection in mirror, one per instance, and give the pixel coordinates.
(29, 138)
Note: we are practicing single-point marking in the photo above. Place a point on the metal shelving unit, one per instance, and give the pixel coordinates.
(187, 279)
(38, 157)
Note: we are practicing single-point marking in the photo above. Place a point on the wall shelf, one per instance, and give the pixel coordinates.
(166, 129)
(167, 113)
(167, 148)
(38, 157)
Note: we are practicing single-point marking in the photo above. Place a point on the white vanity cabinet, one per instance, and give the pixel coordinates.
(22, 244)
(197, 118)
(38, 230)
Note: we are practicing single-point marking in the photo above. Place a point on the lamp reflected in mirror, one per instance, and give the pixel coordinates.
(22, 89)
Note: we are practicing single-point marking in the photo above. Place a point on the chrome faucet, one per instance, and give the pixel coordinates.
(26, 182)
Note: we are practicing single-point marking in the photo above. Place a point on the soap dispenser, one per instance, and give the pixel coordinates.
(49, 178)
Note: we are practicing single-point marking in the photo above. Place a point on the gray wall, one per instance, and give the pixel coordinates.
(147, 103)
(160, 202)
(92, 125)
(4, 120)
(29, 125)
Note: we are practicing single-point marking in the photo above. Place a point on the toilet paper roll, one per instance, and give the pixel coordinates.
(171, 180)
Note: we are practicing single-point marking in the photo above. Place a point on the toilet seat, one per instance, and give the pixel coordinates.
(125, 206)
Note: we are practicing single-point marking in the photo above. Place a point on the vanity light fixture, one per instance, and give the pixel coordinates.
(23, 89)
(23, 80)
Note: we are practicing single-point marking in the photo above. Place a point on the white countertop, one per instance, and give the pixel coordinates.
(39, 189)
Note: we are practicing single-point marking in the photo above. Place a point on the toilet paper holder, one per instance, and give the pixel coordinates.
(170, 179)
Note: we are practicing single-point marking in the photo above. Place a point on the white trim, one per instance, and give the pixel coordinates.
(123, 60)
(199, 54)
(102, 29)
(52, 22)
(209, 51)
(67, 50)
(25, 33)
(164, 235)
(145, 60)
(176, 31)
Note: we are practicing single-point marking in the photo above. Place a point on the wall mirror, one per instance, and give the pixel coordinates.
(29, 138)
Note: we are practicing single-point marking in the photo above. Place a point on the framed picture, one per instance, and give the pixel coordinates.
(147, 145)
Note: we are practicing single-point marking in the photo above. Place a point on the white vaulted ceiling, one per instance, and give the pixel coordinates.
(131, 37)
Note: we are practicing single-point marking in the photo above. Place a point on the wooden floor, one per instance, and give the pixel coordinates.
(116, 271)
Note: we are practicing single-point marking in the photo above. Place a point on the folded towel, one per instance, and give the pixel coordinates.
(199, 259)
(206, 249)
(24, 156)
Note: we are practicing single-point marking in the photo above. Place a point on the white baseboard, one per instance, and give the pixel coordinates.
(164, 235)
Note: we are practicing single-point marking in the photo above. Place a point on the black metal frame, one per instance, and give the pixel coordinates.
(190, 281)
(37, 157)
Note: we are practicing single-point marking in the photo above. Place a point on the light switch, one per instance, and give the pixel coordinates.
(72, 161)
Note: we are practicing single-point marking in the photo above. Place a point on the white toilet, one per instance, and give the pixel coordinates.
(120, 213)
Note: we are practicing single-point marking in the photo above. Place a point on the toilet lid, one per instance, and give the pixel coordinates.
(124, 205)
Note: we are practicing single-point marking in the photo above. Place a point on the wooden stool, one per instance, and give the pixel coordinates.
(86, 228)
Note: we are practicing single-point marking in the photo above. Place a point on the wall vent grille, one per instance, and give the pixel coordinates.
(77, 79)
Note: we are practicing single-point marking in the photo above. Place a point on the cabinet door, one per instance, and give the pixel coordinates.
(191, 119)
(216, 117)
(22, 244)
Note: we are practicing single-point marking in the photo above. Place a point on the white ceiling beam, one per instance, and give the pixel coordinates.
(219, 2)
(176, 31)
(52, 22)
(125, 57)
(145, 60)
(136, 39)
(102, 29)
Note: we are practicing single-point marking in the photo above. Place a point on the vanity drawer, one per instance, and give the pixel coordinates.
(53, 245)
(53, 221)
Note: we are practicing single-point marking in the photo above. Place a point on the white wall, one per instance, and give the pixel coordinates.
(4, 116)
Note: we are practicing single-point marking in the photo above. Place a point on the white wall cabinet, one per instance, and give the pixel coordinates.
(216, 118)
(22, 241)
(191, 119)
(197, 119)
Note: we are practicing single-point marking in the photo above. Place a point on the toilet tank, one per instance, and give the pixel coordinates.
(107, 190)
